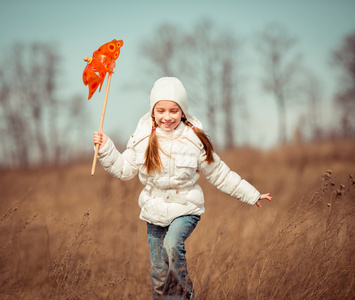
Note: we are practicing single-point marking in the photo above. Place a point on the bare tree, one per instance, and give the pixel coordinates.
(162, 49)
(204, 75)
(230, 52)
(227, 90)
(281, 68)
(30, 110)
(344, 57)
(312, 91)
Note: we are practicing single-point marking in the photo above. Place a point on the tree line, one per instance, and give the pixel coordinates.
(38, 126)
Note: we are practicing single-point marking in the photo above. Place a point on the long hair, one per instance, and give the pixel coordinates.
(205, 140)
(152, 158)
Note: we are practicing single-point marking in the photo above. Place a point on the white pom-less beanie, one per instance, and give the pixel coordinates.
(168, 88)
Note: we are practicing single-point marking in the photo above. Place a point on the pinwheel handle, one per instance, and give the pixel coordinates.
(101, 124)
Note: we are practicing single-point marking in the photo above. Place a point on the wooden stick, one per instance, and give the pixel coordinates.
(101, 124)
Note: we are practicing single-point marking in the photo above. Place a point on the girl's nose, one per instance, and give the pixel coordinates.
(167, 116)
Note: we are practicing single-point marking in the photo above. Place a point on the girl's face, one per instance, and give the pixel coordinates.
(167, 114)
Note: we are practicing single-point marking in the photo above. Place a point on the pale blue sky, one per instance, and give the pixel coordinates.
(80, 27)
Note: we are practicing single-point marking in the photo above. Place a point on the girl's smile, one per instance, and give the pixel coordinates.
(167, 114)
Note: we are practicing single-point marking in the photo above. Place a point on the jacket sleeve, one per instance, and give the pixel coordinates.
(227, 181)
(122, 166)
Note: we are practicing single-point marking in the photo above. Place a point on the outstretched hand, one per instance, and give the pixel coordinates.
(263, 196)
(100, 138)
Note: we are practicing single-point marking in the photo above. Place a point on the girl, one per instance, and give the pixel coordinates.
(168, 151)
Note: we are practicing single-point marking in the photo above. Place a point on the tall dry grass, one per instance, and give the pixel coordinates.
(67, 235)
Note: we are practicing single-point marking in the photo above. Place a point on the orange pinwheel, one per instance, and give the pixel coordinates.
(103, 60)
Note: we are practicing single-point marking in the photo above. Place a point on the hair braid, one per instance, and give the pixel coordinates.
(152, 158)
(205, 140)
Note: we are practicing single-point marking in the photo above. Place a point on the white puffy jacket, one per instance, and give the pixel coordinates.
(173, 192)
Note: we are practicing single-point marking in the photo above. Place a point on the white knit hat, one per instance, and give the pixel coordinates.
(168, 88)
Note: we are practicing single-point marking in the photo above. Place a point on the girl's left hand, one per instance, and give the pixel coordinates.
(263, 196)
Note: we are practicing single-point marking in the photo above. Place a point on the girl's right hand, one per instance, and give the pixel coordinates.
(100, 138)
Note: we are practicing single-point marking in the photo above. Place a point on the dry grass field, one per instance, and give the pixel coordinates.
(68, 235)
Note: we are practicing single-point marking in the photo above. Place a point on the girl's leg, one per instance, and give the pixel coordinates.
(159, 267)
(178, 284)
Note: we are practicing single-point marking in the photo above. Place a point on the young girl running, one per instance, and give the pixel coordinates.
(168, 151)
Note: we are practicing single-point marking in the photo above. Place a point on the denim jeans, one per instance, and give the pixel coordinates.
(170, 279)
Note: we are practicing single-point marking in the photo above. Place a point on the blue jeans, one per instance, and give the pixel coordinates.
(170, 279)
